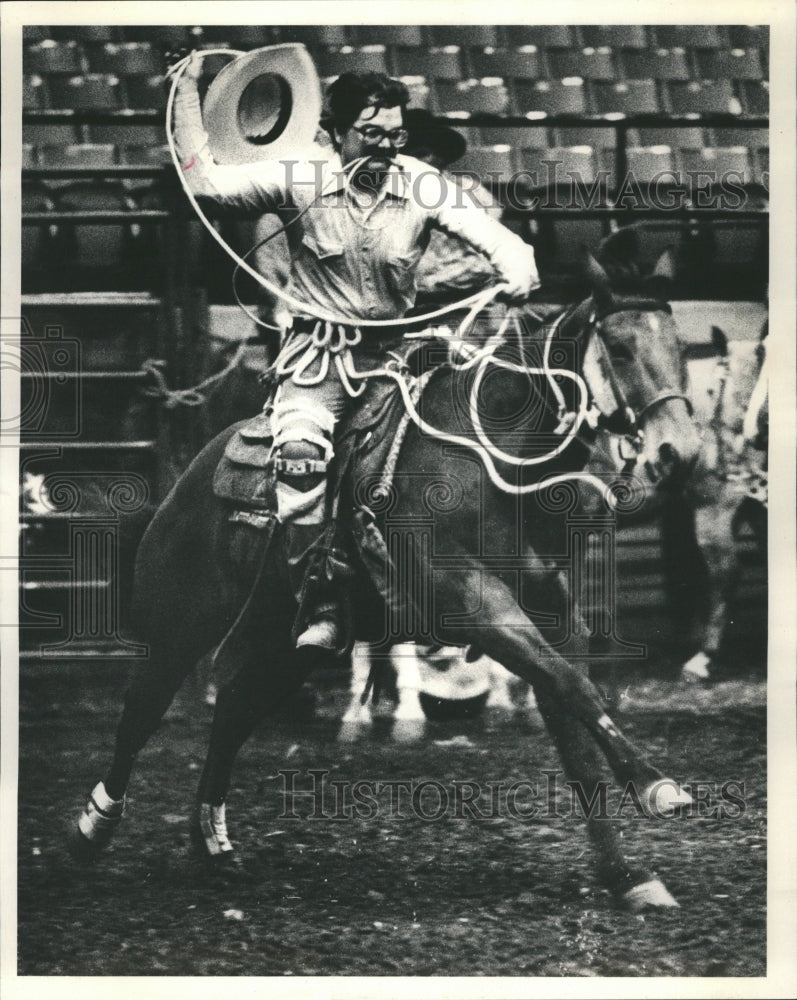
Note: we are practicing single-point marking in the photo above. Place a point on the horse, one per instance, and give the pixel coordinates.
(701, 524)
(465, 579)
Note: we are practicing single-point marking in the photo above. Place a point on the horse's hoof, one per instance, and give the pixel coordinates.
(653, 893)
(665, 797)
(96, 824)
(209, 836)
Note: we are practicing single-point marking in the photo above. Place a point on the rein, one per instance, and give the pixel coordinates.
(629, 425)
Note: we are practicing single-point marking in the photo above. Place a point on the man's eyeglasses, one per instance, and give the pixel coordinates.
(374, 134)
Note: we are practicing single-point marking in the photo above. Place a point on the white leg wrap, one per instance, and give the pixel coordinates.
(101, 816)
(697, 667)
(652, 893)
(213, 826)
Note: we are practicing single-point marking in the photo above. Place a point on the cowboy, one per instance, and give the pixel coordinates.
(363, 216)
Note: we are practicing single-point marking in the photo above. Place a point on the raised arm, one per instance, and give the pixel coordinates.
(460, 214)
(251, 186)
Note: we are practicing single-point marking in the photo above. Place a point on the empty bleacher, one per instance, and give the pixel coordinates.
(521, 93)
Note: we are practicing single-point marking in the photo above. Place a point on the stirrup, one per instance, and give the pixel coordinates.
(100, 818)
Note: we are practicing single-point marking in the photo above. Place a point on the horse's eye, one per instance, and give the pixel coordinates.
(621, 352)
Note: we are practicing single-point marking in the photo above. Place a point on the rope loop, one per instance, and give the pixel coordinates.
(195, 395)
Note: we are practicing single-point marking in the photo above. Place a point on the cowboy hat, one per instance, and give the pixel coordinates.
(263, 105)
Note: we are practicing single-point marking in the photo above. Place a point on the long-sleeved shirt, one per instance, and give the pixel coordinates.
(353, 256)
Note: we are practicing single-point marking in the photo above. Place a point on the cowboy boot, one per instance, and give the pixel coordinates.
(319, 615)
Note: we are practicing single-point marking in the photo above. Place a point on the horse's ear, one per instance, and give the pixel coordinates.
(719, 341)
(598, 279)
(622, 246)
(665, 266)
(660, 281)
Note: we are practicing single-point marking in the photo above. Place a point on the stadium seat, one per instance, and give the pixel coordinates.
(702, 97)
(691, 36)
(40, 243)
(49, 135)
(735, 159)
(559, 243)
(50, 56)
(34, 93)
(145, 92)
(164, 36)
(32, 33)
(126, 59)
(730, 64)
(754, 138)
(30, 157)
(240, 36)
(407, 35)
(464, 34)
(628, 97)
(595, 137)
(656, 64)
(97, 253)
(544, 36)
(435, 64)
(78, 155)
(494, 161)
(755, 97)
(319, 34)
(675, 138)
(85, 33)
(75, 155)
(645, 162)
(347, 59)
(150, 156)
(559, 163)
(100, 91)
(420, 93)
(589, 63)
(122, 134)
(472, 97)
(522, 63)
(550, 97)
(618, 36)
(750, 36)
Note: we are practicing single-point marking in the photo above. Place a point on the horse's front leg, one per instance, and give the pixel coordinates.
(571, 708)
(500, 628)
(632, 884)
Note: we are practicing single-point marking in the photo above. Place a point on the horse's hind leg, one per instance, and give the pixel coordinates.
(256, 691)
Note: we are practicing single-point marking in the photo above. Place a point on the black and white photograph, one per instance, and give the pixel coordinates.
(399, 557)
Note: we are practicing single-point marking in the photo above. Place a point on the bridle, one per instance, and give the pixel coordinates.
(625, 422)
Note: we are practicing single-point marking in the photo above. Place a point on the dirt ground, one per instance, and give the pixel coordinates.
(386, 895)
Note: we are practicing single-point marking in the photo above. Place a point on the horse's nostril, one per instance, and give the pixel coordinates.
(668, 454)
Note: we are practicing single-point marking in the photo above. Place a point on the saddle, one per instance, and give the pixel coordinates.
(245, 476)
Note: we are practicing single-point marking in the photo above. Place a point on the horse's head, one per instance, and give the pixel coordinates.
(632, 363)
